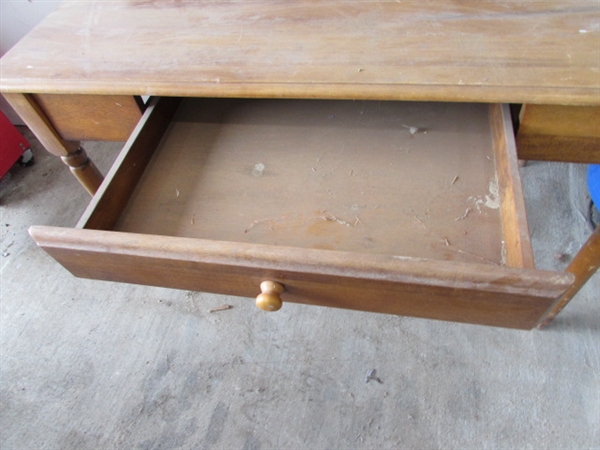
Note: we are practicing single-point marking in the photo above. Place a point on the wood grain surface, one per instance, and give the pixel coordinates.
(517, 243)
(114, 193)
(92, 117)
(560, 133)
(462, 292)
(492, 51)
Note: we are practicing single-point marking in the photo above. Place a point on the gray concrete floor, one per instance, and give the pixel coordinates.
(88, 364)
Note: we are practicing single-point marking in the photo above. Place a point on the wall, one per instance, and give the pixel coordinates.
(17, 18)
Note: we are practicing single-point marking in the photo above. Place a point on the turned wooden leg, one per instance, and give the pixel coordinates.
(70, 152)
(84, 170)
(583, 266)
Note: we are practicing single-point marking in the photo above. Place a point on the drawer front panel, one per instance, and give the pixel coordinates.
(461, 292)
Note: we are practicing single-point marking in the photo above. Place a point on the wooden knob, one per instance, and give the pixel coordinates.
(269, 299)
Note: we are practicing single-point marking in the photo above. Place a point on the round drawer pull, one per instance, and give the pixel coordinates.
(269, 299)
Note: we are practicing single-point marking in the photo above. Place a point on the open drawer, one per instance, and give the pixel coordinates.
(403, 208)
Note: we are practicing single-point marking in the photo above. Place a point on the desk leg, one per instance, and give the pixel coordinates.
(583, 266)
(84, 170)
(71, 153)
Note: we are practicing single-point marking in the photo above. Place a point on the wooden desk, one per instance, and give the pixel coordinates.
(80, 73)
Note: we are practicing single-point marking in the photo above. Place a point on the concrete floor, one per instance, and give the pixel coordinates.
(89, 365)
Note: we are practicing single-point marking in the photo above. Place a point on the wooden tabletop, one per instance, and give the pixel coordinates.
(483, 51)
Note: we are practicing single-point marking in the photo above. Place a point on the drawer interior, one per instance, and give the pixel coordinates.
(412, 209)
(396, 178)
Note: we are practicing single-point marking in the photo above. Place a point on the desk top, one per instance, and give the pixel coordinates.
(483, 51)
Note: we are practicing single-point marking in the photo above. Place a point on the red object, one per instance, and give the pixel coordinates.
(12, 144)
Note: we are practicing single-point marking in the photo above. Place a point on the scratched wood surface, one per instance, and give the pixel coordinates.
(399, 178)
(492, 51)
